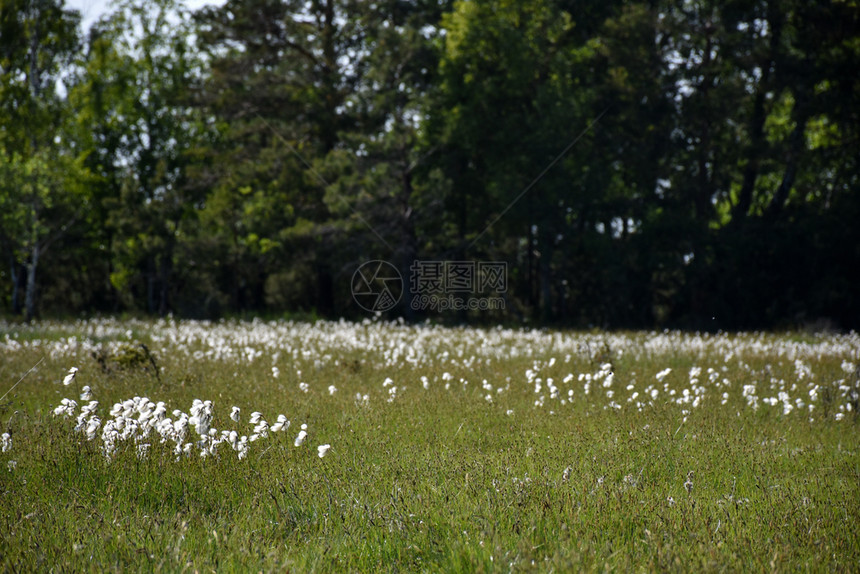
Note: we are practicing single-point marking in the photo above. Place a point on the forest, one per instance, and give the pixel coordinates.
(648, 164)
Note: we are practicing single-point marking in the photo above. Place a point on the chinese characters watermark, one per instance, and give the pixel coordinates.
(438, 286)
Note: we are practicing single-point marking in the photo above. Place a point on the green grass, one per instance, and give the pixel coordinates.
(436, 479)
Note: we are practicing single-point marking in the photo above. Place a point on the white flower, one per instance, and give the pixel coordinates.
(67, 407)
(332, 389)
(6, 442)
(86, 394)
(322, 449)
(93, 426)
(849, 367)
(282, 424)
(255, 417)
(303, 434)
(70, 377)
(304, 387)
(234, 414)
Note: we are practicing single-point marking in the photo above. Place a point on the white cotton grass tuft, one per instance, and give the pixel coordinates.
(5, 442)
(281, 425)
(67, 408)
(86, 393)
(323, 449)
(662, 374)
(70, 376)
(303, 434)
(145, 423)
(235, 414)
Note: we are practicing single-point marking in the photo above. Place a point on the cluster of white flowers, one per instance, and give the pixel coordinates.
(392, 389)
(770, 372)
(139, 421)
(66, 408)
(5, 442)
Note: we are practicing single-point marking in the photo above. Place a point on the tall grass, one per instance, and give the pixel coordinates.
(436, 478)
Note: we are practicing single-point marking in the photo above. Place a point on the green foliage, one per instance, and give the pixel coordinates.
(634, 163)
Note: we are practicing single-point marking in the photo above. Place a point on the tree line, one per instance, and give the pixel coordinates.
(688, 163)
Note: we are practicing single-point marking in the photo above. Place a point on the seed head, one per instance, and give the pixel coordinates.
(70, 376)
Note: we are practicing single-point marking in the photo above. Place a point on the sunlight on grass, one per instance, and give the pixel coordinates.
(171, 445)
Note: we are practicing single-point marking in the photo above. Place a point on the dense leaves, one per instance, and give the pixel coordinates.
(634, 164)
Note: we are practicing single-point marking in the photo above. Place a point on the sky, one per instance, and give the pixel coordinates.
(92, 10)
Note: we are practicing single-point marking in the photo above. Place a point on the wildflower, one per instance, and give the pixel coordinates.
(304, 387)
(93, 426)
(282, 424)
(6, 442)
(67, 408)
(234, 414)
(262, 429)
(670, 500)
(86, 394)
(70, 376)
(11, 465)
(322, 449)
(332, 389)
(662, 374)
(565, 476)
(301, 438)
(255, 417)
(689, 484)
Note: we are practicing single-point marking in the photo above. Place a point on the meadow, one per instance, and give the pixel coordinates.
(380, 446)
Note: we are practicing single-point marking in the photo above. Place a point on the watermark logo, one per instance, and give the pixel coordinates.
(377, 286)
(434, 285)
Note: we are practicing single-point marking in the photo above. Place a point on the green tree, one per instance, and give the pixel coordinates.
(520, 84)
(134, 103)
(281, 74)
(41, 192)
(382, 185)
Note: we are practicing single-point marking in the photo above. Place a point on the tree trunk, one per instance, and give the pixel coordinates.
(164, 283)
(545, 265)
(16, 300)
(30, 297)
(407, 253)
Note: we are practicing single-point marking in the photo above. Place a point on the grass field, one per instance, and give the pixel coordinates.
(450, 449)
